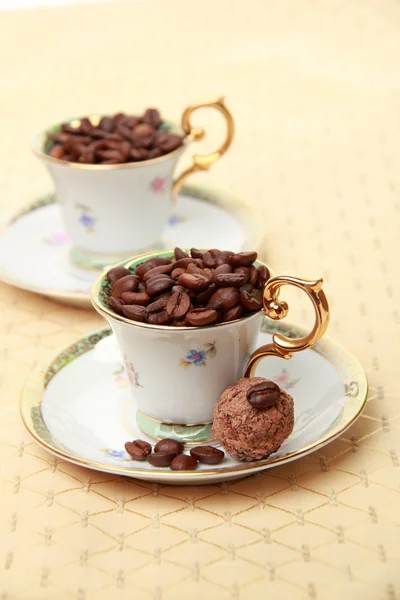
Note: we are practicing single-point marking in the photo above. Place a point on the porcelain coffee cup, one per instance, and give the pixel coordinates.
(114, 211)
(177, 374)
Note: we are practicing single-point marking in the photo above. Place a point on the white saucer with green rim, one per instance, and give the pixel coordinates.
(76, 406)
(34, 249)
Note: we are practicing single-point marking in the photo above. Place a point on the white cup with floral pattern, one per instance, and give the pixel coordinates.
(177, 374)
(113, 211)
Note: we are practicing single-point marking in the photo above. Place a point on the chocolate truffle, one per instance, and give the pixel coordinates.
(250, 433)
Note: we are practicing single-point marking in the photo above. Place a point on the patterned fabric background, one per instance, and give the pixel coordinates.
(315, 91)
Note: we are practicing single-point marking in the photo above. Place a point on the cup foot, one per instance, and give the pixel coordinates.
(187, 434)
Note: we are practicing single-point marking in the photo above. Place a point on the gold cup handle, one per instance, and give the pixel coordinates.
(276, 309)
(202, 162)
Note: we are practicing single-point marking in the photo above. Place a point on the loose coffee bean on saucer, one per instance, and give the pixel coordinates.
(161, 459)
(138, 449)
(183, 462)
(264, 394)
(168, 445)
(207, 454)
(116, 139)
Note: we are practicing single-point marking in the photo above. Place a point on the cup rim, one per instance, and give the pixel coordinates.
(39, 138)
(108, 313)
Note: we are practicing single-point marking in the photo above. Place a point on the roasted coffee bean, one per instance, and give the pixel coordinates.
(150, 264)
(253, 275)
(183, 462)
(117, 304)
(57, 152)
(194, 269)
(223, 257)
(177, 272)
(139, 154)
(158, 285)
(157, 305)
(169, 445)
(178, 304)
(135, 312)
(106, 124)
(216, 305)
(161, 459)
(141, 298)
(243, 271)
(210, 258)
(205, 296)
(142, 136)
(117, 273)
(154, 153)
(159, 270)
(138, 449)
(195, 282)
(207, 454)
(152, 117)
(184, 262)
(129, 283)
(263, 276)
(232, 314)
(196, 253)
(250, 297)
(264, 394)
(228, 296)
(202, 316)
(180, 323)
(224, 268)
(243, 259)
(170, 143)
(179, 253)
(230, 279)
(159, 318)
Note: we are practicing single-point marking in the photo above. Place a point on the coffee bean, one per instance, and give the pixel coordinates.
(138, 449)
(169, 445)
(152, 117)
(231, 279)
(194, 269)
(223, 257)
(205, 296)
(159, 270)
(150, 264)
(264, 394)
(253, 275)
(250, 297)
(243, 271)
(129, 283)
(157, 305)
(183, 263)
(177, 272)
(210, 258)
(228, 296)
(224, 268)
(139, 154)
(154, 153)
(202, 316)
(179, 253)
(170, 143)
(196, 253)
(178, 304)
(207, 454)
(159, 318)
(161, 459)
(263, 276)
(116, 304)
(57, 152)
(159, 285)
(106, 124)
(135, 312)
(233, 313)
(194, 281)
(183, 462)
(243, 259)
(117, 273)
(141, 298)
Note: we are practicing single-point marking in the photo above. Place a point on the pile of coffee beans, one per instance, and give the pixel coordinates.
(196, 290)
(169, 452)
(114, 140)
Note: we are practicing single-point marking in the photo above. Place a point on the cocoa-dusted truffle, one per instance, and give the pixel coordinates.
(248, 432)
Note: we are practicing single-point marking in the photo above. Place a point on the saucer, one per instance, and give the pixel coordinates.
(76, 406)
(34, 249)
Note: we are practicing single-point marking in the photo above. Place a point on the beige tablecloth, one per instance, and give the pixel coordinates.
(315, 91)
